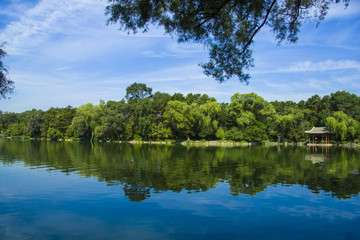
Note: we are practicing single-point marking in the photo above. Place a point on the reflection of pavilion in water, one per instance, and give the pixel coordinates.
(317, 154)
(316, 158)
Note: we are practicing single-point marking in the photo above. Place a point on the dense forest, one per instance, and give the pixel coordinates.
(142, 115)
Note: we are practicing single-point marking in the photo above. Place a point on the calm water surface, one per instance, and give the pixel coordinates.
(51, 190)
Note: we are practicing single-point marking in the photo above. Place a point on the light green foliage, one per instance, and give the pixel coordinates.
(341, 130)
(15, 129)
(345, 127)
(54, 133)
(251, 114)
(158, 104)
(220, 134)
(291, 125)
(160, 132)
(331, 124)
(86, 120)
(182, 118)
(208, 114)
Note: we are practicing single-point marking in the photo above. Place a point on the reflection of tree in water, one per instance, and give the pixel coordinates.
(335, 172)
(136, 192)
(142, 169)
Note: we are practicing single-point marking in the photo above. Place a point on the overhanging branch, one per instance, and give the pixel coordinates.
(258, 28)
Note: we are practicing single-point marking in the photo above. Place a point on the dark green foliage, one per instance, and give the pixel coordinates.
(137, 91)
(57, 122)
(112, 125)
(178, 96)
(6, 85)
(347, 103)
(248, 117)
(6, 119)
(198, 98)
(226, 27)
(34, 121)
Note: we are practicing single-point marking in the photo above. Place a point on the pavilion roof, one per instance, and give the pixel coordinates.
(318, 130)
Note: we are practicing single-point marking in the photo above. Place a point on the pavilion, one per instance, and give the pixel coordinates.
(319, 135)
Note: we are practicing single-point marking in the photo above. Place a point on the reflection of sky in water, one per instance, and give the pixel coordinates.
(42, 204)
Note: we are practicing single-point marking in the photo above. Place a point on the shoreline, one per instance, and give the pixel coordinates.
(212, 143)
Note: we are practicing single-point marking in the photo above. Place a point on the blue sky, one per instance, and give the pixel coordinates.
(62, 53)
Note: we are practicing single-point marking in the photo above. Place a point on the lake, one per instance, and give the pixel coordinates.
(71, 190)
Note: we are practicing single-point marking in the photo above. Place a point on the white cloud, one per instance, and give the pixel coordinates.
(322, 212)
(340, 11)
(176, 50)
(48, 17)
(181, 73)
(328, 65)
(61, 53)
(152, 54)
(15, 9)
(63, 68)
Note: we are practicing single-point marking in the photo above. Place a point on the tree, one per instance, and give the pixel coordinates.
(115, 121)
(313, 105)
(34, 120)
(325, 110)
(226, 27)
(198, 99)
(347, 103)
(144, 118)
(7, 119)
(57, 122)
(6, 85)
(137, 91)
(178, 97)
(344, 126)
(182, 118)
(86, 120)
(208, 124)
(111, 126)
(250, 113)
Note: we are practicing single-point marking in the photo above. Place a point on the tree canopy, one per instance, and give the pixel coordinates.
(161, 116)
(226, 27)
(6, 85)
(137, 91)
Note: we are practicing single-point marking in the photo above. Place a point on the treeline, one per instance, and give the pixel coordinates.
(142, 115)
